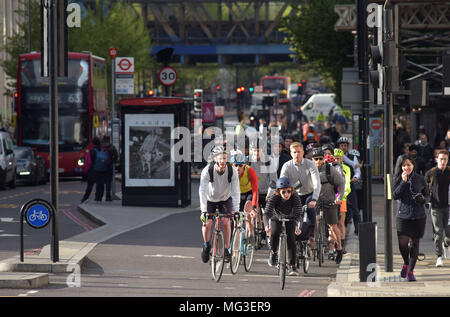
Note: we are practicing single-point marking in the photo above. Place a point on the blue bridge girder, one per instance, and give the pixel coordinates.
(220, 31)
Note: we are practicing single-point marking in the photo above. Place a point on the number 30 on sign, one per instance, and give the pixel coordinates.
(168, 76)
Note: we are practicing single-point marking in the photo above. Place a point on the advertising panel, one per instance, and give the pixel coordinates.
(147, 150)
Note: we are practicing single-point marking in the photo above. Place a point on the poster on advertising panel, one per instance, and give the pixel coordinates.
(147, 150)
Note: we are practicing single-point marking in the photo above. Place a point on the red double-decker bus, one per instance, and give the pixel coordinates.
(276, 85)
(82, 108)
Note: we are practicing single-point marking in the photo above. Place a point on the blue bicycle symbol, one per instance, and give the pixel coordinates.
(38, 216)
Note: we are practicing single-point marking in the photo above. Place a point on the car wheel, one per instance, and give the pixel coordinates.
(2, 179)
(12, 183)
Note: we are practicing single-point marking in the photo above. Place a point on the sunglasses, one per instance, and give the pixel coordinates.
(238, 165)
(317, 158)
(286, 191)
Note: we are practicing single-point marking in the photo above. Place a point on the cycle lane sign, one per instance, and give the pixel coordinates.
(38, 213)
(37, 216)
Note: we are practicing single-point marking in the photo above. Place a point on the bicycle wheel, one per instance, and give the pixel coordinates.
(236, 250)
(320, 254)
(218, 255)
(306, 257)
(248, 254)
(282, 261)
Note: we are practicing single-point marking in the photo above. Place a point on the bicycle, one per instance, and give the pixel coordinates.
(282, 250)
(321, 237)
(217, 257)
(240, 246)
(260, 232)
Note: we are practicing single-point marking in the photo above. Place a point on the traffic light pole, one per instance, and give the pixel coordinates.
(365, 142)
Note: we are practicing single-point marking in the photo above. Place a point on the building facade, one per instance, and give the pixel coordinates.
(10, 21)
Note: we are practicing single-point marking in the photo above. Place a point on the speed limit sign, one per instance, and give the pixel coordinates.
(167, 76)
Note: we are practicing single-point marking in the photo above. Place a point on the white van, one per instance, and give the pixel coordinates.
(318, 103)
(7, 161)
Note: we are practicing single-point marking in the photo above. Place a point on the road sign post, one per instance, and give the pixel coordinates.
(38, 213)
(113, 53)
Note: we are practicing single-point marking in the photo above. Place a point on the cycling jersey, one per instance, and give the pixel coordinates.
(248, 181)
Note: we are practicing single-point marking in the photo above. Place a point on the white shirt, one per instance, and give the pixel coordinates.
(220, 189)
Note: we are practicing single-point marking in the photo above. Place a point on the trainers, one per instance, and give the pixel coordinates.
(251, 241)
(411, 277)
(439, 262)
(227, 256)
(339, 256)
(404, 271)
(205, 253)
(331, 255)
(272, 259)
(292, 270)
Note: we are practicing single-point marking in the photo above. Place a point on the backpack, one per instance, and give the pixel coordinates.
(101, 160)
(211, 172)
(329, 179)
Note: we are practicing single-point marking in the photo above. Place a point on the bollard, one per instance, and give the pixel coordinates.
(367, 249)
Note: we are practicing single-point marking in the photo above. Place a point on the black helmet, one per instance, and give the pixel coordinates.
(317, 151)
(328, 146)
(283, 182)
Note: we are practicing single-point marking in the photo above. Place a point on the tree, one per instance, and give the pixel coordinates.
(117, 24)
(314, 39)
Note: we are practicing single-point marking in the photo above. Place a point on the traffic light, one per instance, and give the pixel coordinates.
(218, 87)
(376, 74)
(198, 99)
(151, 92)
(300, 88)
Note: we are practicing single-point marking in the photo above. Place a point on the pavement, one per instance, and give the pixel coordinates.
(115, 219)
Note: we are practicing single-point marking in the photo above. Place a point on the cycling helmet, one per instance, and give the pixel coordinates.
(354, 152)
(329, 159)
(338, 152)
(328, 147)
(237, 157)
(217, 150)
(343, 139)
(283, 182)
(309, 147)
(317, 151)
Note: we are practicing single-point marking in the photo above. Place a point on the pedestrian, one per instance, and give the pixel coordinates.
(111, 165)
(438, 180)
(90, 175)
(412, 192)
(100, 162)
(425, 151)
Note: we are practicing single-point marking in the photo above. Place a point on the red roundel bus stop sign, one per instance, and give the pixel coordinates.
(376, 124)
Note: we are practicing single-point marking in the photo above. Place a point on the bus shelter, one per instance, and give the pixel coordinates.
(151, 174)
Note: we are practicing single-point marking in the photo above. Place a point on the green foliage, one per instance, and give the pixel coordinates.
(314, 39)
(122, 28)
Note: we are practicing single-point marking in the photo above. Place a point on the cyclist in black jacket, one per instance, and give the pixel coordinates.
(285, 203)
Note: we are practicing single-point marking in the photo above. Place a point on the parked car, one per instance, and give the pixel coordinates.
(30, 168)
(7, 161)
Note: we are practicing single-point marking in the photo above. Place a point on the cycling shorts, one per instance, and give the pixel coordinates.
(244, 198)
(224, 207)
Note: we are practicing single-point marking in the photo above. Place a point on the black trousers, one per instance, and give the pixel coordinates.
(275, 232)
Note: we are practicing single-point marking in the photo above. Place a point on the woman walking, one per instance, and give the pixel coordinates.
(412, 192)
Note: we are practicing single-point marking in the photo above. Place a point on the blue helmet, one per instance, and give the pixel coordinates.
(237, 157)
(283, 182)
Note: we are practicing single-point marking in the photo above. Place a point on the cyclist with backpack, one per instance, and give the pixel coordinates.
(332, 183)
(219, 189)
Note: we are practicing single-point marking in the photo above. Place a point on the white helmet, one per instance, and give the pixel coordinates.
(354, 152)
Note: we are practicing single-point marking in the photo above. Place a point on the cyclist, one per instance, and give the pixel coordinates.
(304, 176)
(351, 160)
(284, 203)
(219, 188)
(328, 149)
(339, 156)
(330, 179)
(265, 172)
(248, 184)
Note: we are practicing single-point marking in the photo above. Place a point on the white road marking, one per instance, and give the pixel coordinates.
(168, 256)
